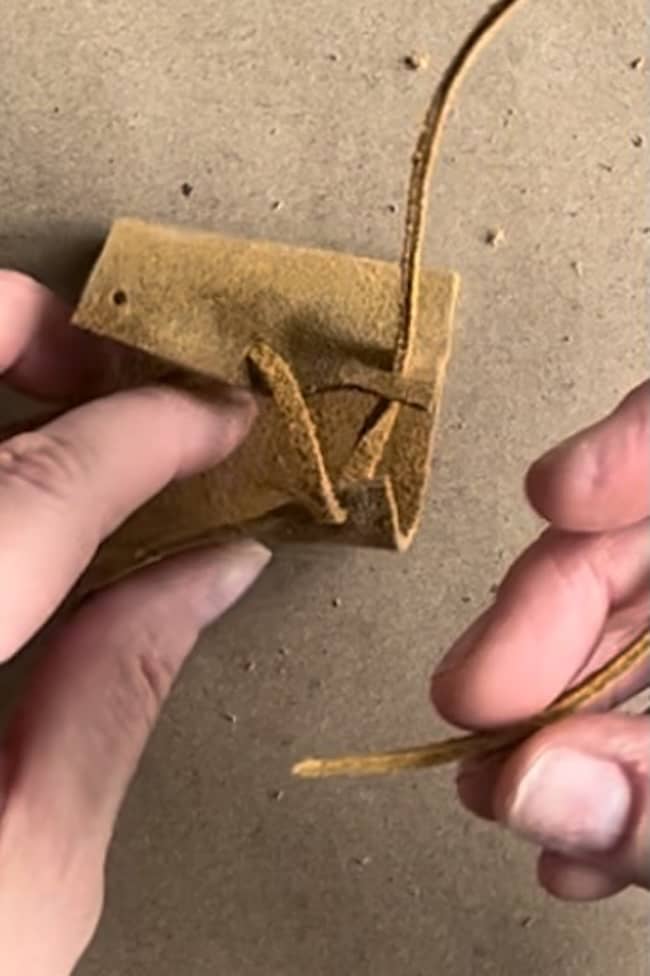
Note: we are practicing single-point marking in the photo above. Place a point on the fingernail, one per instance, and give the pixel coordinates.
(239, 397)
(239, 402)
(571, 803)
(238, 565)
(463, 647)
(236, 414)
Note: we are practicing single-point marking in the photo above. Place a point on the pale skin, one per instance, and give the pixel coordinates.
(579, 790)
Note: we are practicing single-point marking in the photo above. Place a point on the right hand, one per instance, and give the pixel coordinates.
(579, 789)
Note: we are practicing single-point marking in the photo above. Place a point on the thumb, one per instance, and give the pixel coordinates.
(102, 680)
(581, 790)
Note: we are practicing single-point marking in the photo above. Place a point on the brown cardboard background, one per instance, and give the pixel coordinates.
(107, 108)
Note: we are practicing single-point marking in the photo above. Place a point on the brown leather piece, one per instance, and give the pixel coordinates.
(341, 451)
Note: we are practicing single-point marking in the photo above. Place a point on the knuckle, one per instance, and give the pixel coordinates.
(147, 678)
(155, 678)
(42, 462)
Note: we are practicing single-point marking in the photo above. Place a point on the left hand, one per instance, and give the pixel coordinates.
(72, 748)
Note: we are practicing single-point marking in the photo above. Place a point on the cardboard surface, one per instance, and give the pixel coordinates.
(296, 122)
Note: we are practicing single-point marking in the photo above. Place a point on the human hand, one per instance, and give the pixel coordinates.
(579, 789)
(73, 746)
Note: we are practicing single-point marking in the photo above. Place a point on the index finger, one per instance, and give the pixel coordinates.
(66, 486)
(40, 353)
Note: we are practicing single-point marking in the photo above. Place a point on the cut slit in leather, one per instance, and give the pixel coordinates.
(312, 483)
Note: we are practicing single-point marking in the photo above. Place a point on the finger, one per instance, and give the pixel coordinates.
(76, 741)
(476, 783)
(477, 778)
(561, 876)
(574, 881)
(65, 487)
(547, 627)
(103, 678)
(40, 353)
(581, 789)
(598, 479)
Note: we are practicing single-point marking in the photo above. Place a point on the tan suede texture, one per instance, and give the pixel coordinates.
(342, 447)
